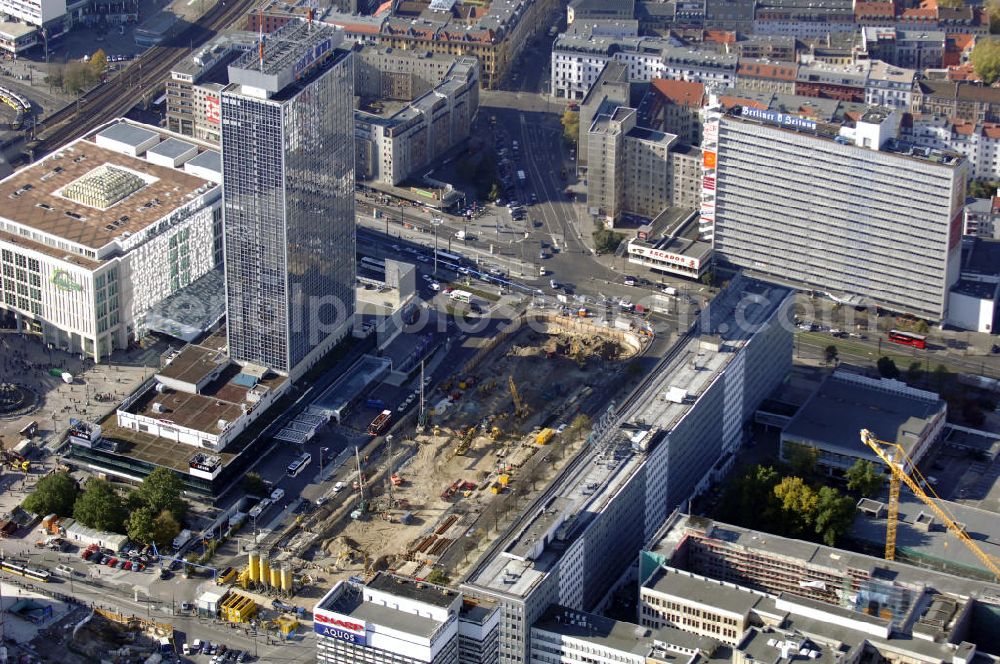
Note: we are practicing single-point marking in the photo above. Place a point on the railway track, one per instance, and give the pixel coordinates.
(124, 90)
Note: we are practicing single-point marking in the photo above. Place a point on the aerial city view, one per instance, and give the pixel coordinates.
(500, 331)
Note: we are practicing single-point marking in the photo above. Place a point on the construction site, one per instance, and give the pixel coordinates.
(489, 436)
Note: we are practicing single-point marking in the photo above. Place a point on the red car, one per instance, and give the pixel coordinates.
(112, 562)
(128, 564)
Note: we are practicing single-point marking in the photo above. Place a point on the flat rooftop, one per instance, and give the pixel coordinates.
(34, 196)
(679, 527)
(415, 590)
(936, 546)
(833, 417)
(350, 602)
(725, 597)
(583, 491)
(620, 635)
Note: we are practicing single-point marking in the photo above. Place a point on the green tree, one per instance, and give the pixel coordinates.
(77, 77)
(161, 490)
(801, 459)
(165, 528)
(494, 193)
(100, 506)
(830, 354)
(887, 368)
(253, 484)
(940, 378)
(864, 479)
(98, 63)
(982, 188)
(605, 241)
(993, 11)
(54, 494)
(834, 515)
(915, 372)
(986, 59)
(749, 499)
(140, 525)
(439, 577)
(55, 76)
(798, 502)
(951, 4)
(921, 327)
(571, 126)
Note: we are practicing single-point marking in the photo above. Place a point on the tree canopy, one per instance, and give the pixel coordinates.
(986, 59)
(864, 479)
(54, 494)
(100, 506)
(887, 367)
(161, 490)
(571, 126)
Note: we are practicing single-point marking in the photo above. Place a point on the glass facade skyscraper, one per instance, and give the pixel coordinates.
(288, 192)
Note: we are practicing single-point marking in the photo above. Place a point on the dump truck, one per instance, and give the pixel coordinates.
(544, 436)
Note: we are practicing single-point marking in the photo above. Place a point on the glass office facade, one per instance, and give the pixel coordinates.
(288, 188)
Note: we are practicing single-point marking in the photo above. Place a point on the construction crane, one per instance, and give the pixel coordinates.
(520, 408)
(895, 457)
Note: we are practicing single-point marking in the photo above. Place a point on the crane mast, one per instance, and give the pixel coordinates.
(895, 457)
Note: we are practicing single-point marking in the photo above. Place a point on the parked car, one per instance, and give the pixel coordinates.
(338, 487)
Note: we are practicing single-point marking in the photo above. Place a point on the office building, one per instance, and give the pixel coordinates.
(675, 438)
(396, 620)
(415, 109)
(587, 10)
(770, 597)
(845, 82)
(34, 12)
(565, 636)
(845, 403)
(288, 182)
(670, 244)
(196, 82)
(788, 206)
(98, 233)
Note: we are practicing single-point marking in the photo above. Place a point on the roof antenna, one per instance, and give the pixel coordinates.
(260, 42)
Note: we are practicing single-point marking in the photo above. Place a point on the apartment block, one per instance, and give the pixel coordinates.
(495, 36)
(889, 86)
(909, 49)
(979, 143)
(802, 18)
(962, 100)
(775, 166)
(631, 168)
(674, 439)
(611, 90)
(395, 139)
(765, 76)
(843, 82)
(674, 107)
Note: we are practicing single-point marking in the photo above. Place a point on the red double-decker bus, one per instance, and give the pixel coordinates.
(908, 339)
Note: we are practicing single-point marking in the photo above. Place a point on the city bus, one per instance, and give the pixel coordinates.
(460, 295)
(295, 467)
(908, 339)
(449, 258)
(380, 423)
(373, 264)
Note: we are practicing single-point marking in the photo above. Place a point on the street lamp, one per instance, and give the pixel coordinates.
(435, 222)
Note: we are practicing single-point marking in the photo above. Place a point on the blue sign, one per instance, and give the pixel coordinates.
(314, 54)
(774, 117)
(341, 634)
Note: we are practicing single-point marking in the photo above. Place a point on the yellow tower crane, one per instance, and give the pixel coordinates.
(900, 465)
(520, 408)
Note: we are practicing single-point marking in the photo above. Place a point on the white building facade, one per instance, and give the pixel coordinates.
(87, 290)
